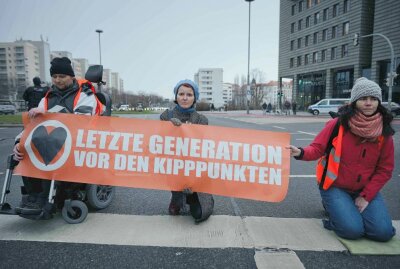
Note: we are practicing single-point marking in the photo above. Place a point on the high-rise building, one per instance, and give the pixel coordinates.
(316, 47)
(44, 59)
(84, 64)
(227, 95)
(19, 64)
(115, 81)
(210, 85)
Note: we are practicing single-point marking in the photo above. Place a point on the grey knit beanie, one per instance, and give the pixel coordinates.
(365, 87)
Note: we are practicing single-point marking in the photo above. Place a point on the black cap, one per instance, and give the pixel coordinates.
(61, 66)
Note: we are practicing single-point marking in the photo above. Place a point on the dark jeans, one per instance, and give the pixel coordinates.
(346, 221)
(36, 186)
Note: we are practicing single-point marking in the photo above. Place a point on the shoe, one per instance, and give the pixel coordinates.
(174, 209)
(32, 202)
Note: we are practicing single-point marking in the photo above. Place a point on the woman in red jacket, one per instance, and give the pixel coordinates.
(364, 163)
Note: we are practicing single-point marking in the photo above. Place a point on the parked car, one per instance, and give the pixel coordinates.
(395, 108)
(6, 107)
(124, 108)
(327, 105)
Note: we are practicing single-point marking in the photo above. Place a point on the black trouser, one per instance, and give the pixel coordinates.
(36, 186)
(191, 199)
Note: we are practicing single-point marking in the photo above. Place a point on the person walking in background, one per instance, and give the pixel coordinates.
(35, 93)
(287, 107)
(294, 107)
(186, 94)
(269, 108)
(264, 108)
(356, 160)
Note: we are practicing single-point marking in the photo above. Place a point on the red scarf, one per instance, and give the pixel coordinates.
(369, 128)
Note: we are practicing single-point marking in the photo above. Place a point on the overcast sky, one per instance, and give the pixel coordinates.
(152, 43)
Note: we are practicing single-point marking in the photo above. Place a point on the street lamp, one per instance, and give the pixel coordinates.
(248, 64)
(99, 32)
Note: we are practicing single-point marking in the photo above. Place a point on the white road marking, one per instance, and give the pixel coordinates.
(307, 133)
(279, 127)
(219, 231)
(282, 260)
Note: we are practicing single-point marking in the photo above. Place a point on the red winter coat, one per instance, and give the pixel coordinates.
(363, 166)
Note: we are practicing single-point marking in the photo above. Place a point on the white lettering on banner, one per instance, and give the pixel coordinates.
(221, 150)
(117, 141)
(92, 159)
(213, 170)
(131, 163)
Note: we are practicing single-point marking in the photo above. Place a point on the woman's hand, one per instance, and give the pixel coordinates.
(35, 111)
(361, 203)
(294, 151)
(18, 156)
(176, 122)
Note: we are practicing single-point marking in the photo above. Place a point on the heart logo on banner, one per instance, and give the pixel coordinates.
(48, 144)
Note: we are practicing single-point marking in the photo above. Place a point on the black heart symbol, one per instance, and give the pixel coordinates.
(48, 144)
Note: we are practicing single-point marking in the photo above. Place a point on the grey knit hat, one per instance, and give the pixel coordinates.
(365, 87)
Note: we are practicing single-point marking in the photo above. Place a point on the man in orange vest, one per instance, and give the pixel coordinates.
(67, 95)
(357, 161)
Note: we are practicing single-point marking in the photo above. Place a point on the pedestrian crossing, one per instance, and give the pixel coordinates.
(219, 231)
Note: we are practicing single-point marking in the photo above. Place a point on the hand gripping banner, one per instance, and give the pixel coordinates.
(153, 154)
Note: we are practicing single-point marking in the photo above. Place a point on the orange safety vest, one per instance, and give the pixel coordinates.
(327, 172)
(99, 106)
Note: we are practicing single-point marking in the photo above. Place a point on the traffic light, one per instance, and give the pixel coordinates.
(356, 39)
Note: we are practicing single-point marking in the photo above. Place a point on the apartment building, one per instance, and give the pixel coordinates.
(19, 64)
(227, 92)
(316, 47)
(210, 85)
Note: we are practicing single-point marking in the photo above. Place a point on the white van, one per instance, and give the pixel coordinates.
(326, 105)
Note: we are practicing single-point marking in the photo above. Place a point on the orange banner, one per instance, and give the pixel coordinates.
(156, 155)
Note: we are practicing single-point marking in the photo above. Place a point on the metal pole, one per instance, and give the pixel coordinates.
(391, 68)
(99, 31)
(248, 63)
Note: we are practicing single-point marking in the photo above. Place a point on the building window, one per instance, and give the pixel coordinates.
(299, 43)
(316, 2)
(315, 57)
(298, 60)
(301, 5)
(309, 3)
(325, 14)
(316, 18)
(346, 6)
(323, 55)
(292, 26)
(333, 53)
(345, 50)
(324, 34)
(293, 9)
(334, 31)
(291, 62)
(308, 21)
(346, 27)
(299, 25)
(292, 45)
(306, 40)
(315, 41)
(335, 11)
(306, 59)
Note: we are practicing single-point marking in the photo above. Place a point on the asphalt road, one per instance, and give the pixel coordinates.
(302, 202)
